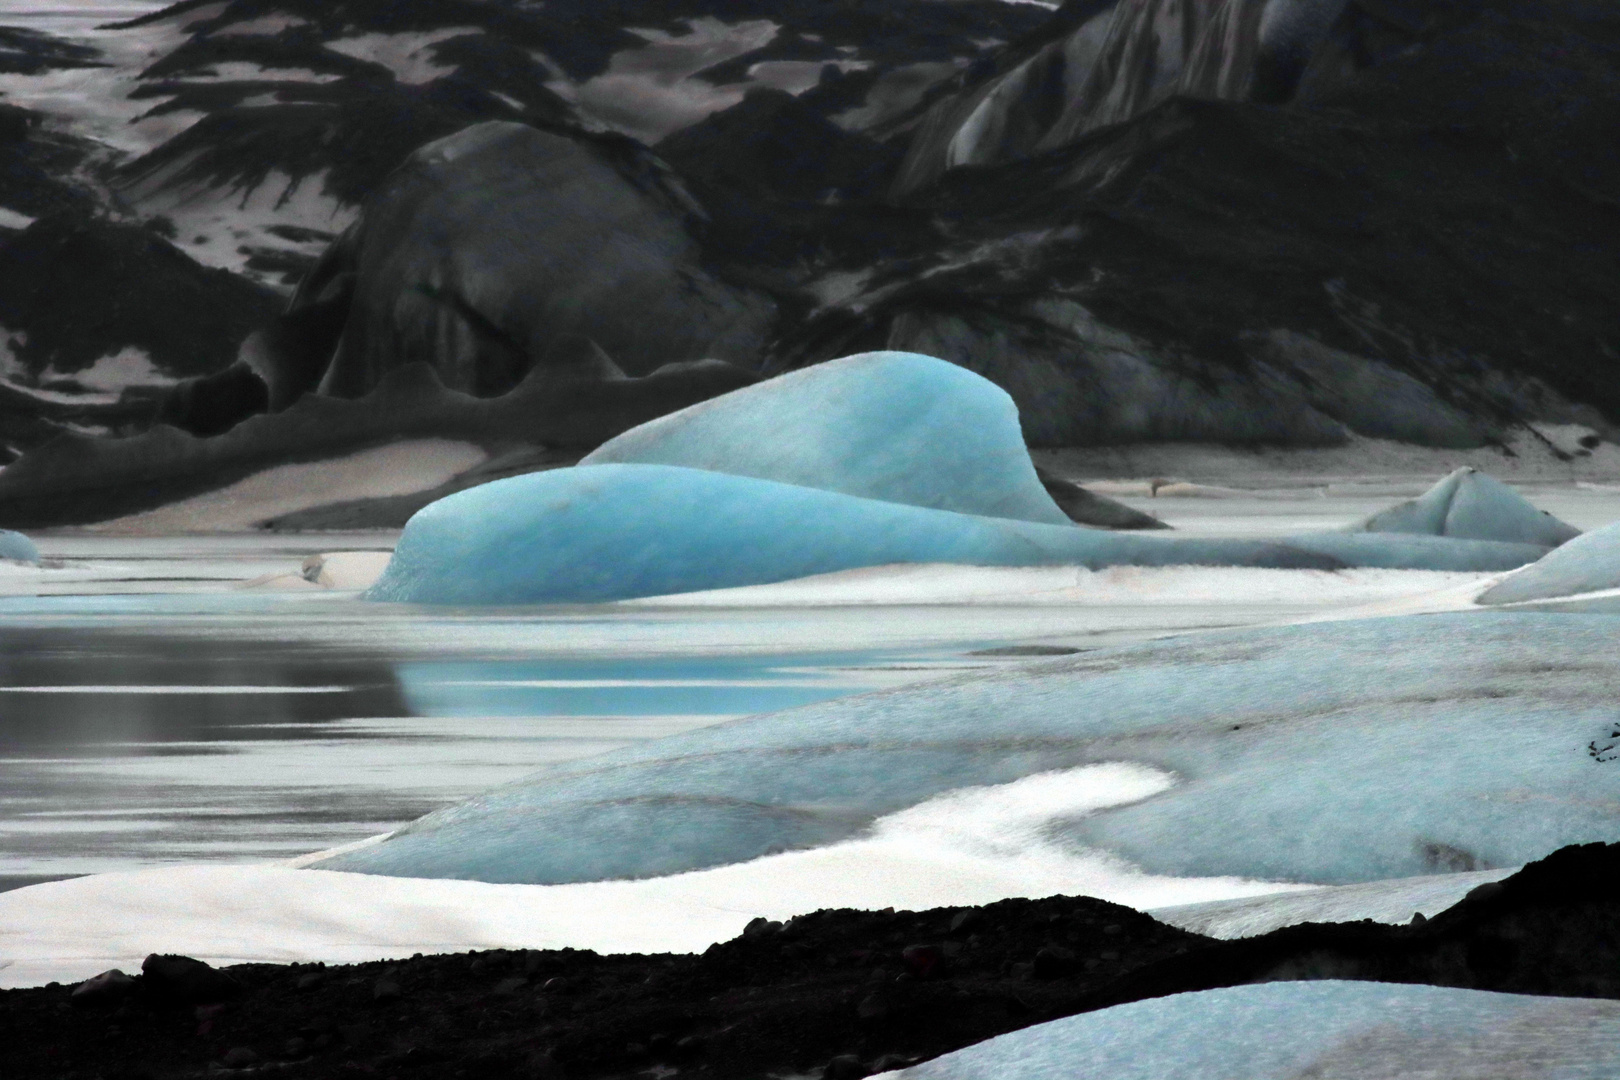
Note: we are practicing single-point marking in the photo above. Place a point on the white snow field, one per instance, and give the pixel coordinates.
(1326, 1030)
(967, 847)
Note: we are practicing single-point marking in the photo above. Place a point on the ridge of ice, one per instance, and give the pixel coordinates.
(1587, 564)
(895, 426)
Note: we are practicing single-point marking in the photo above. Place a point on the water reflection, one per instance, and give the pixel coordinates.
(82, 693)
(122, 746)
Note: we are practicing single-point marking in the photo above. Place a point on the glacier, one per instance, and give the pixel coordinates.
(596, 533)
(1589, 563)
(1290, 1030)
(1469, 505)
(1328, 753)
(17, 547)
(895, 426)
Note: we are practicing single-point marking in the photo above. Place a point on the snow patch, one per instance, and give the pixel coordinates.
(650, 92)
(407, 55)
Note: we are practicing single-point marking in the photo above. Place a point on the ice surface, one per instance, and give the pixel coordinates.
(895, 426)
(17, 547)
(1589, 563)
(1330, 753)
(1394, 901)
(1470, 505)
(613, 532)
(1330, 1030)
(968, 847)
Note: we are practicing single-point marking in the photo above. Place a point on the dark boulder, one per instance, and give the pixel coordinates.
(1087, 508)
(488, 247)
(181, 980)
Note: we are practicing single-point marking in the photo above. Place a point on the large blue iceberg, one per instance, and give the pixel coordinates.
(1294, 1030)
(613, 532)
(879, 458)
(1330, 753)
(1590, 563)
(894, 426)
(1470, 505)
(17, 547)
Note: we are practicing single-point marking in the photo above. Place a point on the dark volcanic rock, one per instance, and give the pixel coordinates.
(840, 993)
(180, 980)
(1422, 249)
(75, 289)
(487, 248)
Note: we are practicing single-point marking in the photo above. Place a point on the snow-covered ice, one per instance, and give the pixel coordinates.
(1587, 564)
(1331, 1030)
(1329, 753)
(894, 426)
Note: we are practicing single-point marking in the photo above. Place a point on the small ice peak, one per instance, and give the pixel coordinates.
(14, 219)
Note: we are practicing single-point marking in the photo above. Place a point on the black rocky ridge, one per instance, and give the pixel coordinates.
(833, 994)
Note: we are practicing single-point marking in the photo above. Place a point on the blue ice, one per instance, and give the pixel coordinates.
(1470, 505)
(16, 546)
(1329, 753)
(1589, 563)
(1290, 1030)
(894, 426)
(613, 532)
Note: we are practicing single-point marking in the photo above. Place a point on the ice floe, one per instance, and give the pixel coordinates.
(1331, 753)
(1470, 505)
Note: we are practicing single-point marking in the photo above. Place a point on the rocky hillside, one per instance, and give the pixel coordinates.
(1288, 224)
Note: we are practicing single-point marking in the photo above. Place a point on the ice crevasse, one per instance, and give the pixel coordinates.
(874, 459)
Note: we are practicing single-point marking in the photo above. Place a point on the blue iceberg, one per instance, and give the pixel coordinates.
(1292, 1030)
(1590, 563)
(17, 547)
(1470, 505)
(612, 532)
(894, 426)
(1331, 753)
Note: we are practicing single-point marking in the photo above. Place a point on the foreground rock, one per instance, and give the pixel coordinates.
(835, 993)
